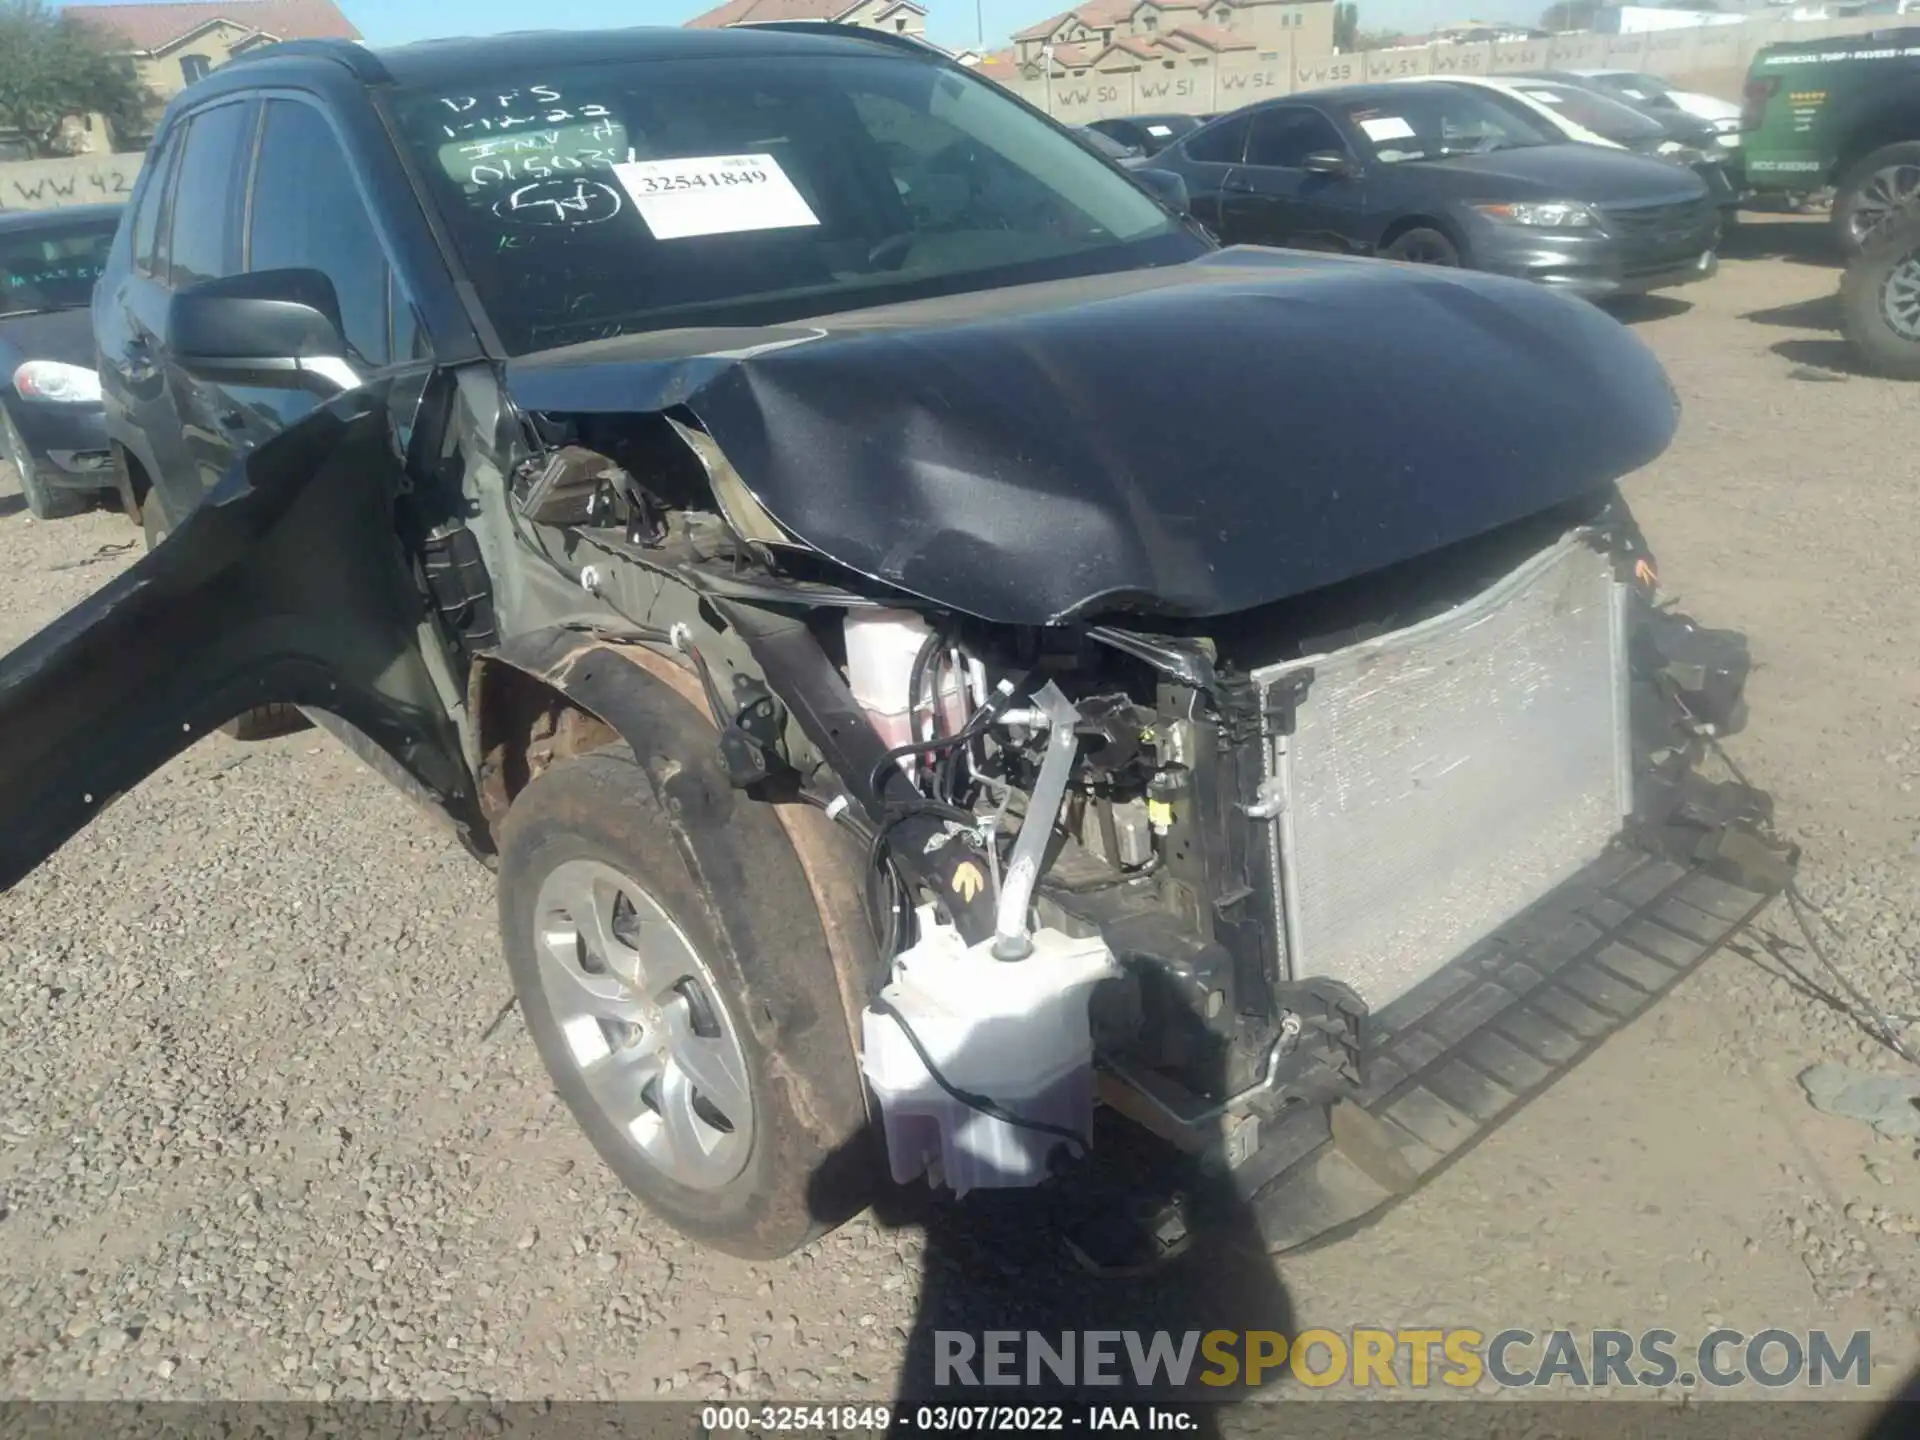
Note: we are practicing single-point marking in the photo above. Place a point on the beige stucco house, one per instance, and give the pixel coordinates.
(174, 45)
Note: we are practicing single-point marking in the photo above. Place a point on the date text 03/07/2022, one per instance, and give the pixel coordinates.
(948, 1419)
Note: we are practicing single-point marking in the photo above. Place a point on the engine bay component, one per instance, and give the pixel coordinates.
(982, 1068)
(888, 652)
(1011, 940)
(1444, 776)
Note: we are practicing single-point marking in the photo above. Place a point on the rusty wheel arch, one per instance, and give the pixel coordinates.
(529, 710)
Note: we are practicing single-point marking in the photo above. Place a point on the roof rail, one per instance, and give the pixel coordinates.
(923, 48)
(356, 57)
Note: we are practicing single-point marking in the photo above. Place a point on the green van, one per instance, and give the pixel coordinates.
(1841, 112)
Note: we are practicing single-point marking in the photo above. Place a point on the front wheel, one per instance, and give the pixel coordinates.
(44, 502)
(674, 975)
(1872, 193)
(1422, 246)
(1880, 301)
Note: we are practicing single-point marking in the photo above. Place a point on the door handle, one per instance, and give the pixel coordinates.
(1234, 185)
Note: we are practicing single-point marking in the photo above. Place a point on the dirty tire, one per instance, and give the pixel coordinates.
(1867, 189)
(1880, 301)
(44, 502)
(1423, 246)
(720, 866)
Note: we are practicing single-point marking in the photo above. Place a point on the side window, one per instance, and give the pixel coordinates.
(205, 197)
(1285, 136)
(146, 217)
(1221, 144)
(308, 215)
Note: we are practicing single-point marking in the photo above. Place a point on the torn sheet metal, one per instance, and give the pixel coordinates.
(1190, 440)
(288, 584)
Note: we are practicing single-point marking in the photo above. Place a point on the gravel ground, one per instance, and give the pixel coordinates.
(261, 1136)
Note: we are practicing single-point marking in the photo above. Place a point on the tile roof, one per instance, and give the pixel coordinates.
(1095, 15)
(154, 27)
(1078, 56)
(1043, 29)
(762, 12)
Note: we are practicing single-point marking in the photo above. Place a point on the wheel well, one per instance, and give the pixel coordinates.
(523, 725)
(1420, 222)
(1877, 128)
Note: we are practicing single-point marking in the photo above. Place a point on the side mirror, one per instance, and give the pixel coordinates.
(1327, 162)
(1167, 187)
(272, 328)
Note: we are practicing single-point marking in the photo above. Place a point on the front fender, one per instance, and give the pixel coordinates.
(615, 686)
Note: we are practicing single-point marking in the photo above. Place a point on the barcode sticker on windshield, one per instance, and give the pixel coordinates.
(713, 195)
(1387, 127)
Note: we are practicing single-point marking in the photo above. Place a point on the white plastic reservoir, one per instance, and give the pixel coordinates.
(1013, 1031)
(881, 646)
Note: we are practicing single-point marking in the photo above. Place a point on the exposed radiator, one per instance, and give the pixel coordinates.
(1443, 777)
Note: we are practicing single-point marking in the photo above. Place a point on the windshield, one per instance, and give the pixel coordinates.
(1437, 122)
(612, 199)
(1608, 119)
(52, 267)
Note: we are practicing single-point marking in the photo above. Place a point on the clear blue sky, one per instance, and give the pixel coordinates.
(951, 22)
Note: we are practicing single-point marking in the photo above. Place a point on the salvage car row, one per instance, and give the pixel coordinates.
(726, 475)
(1496, 173)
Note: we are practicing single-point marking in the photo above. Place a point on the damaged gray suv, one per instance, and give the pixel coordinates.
(950, 666)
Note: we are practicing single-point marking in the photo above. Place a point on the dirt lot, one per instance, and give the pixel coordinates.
(257, 1138)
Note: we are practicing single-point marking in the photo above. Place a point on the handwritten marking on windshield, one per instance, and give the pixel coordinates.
(559, 202)
(511, 109)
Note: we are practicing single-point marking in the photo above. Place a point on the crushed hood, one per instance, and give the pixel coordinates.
(1191, 440)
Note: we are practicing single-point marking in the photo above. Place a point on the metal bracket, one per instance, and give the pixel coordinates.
(1280, 702)
(1332, 1025)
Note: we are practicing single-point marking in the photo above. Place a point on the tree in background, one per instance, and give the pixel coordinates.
(1346, 27)
(1569, 15)
(53, 68)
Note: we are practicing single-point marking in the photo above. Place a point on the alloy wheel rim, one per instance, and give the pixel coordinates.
(1886, 193)
(1426, 253)
(1900, 296)
(643, 1025)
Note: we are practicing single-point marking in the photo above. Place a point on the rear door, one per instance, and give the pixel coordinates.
(1206, 161)
(129, 319)
(1274, 200)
